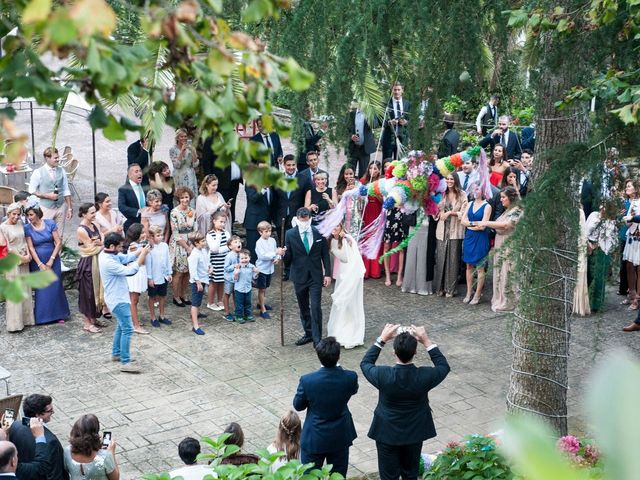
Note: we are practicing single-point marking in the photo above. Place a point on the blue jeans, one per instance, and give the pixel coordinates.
(243, 304)
(123, 333)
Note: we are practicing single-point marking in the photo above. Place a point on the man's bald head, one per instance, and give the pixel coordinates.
(8, 457)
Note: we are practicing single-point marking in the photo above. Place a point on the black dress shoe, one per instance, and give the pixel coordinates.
(178, 304)
(303, 340)
(186, 302)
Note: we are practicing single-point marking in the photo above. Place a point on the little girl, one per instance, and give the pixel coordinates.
(136, 238)
(287, 439)
(217, 243)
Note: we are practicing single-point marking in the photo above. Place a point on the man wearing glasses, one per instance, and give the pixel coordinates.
(38, 409)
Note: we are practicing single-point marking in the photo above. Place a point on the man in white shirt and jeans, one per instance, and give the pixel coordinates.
(49, 183)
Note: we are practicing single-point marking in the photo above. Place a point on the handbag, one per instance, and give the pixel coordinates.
(409, 219)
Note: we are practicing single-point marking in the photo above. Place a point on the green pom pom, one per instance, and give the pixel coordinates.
(399, 170)
(419, 184)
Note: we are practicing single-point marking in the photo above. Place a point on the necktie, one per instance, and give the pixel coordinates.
(305, 240)
(466, 181)
(140, 196)
(398, 114)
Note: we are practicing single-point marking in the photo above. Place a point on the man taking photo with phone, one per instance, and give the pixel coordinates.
(402, 419)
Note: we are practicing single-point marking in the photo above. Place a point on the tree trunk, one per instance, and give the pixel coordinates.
(548, 261)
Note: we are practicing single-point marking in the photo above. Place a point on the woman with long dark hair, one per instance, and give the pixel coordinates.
(371, 212)
(497, 164)
(449, 236)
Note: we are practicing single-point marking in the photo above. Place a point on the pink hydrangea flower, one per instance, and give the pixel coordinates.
(569, 444)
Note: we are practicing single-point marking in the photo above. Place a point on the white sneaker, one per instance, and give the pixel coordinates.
(218, 307)
(212, 306)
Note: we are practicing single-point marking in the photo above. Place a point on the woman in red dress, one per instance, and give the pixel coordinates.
(371, 212)
(498, 164)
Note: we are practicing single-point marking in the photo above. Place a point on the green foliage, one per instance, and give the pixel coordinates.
(14, 290)
(477, 457)
(291, 470)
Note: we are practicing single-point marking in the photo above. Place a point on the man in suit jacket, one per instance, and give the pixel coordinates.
(288, 203)
(450, 139)
(33, 470)
(307, 255)
(39, 407)
(132, 196)
(271, 141)
(140, 152)
(229, 178)
(502, 135)
(396, 127)
(402, 419)
(8, 460)
(260, 207)
(309, 173)
(328, 429)
(361, 141)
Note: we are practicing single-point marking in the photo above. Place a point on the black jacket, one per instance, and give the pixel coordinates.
(305, 266)
(513, 148)
(277, 146)
(258, 209)
(449, 143)
(288, 203)
(369, 140)
(403, 415)
(49, 454)
(128, 204)
(137, 154)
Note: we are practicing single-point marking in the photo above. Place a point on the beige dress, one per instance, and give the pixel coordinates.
(18, 314)
(581, 304)
(205, 207)
(504, 298)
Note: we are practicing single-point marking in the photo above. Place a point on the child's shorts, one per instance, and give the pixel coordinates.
(158, 290)
(263, 281)
(196, 296)
(228, 287)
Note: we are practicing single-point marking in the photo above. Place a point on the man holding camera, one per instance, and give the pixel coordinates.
(39, 451)
(402, 419)
(503, 136)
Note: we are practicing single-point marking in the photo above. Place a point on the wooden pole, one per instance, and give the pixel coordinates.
(282, 287)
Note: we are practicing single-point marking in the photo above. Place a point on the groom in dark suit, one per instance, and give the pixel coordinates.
(402, 420)
(328, 430)
(306, 255)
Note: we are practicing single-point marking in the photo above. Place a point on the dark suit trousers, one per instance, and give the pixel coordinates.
(359, 159)
(339, 459)
(252, 239)
(309, 297)
(395, 461)
(431, 249)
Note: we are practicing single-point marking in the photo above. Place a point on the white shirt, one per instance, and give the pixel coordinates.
(138, 190)
(34, 183)
(482, 113)
(396, 113)
(235, 171)
(473, 177)
(193, 472)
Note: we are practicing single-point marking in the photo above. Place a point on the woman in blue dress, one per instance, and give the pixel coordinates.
(475, 246)
(44, 243)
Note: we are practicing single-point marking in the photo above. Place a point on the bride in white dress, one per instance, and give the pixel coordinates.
(346, 320)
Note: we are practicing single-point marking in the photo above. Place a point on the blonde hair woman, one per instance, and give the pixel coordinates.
(185, 161)
(209, 202)
(287, 439)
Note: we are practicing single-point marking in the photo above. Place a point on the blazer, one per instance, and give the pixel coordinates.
(277, 146)
(288, 203)
(137, 154)
(258, 209)
(128, 204)
(309, 177)
(38, 467)
(403, 415)
(456, 229)
(30, 452)
(369, 144)
(388, 137)
(513, 147)
(449, 143)
(324, 394)
(305, 267)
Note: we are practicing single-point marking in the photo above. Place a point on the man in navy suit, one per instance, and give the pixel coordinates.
(288, 203)
(361, 141)
(132, 196)
(396, 128)
(140, 152)
(328, 430)
(402, 420)
(271, 141)
(502, 135)
(307, 257)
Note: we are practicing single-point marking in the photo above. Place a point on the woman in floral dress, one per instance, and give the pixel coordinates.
(183, 222)
(185, 161)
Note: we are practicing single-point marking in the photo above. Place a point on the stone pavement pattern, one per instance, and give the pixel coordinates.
(197, 385)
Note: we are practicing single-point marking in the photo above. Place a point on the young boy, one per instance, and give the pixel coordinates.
(233, 258)
(268, 254)
(243, 274)
(158, 275)
(198, 277)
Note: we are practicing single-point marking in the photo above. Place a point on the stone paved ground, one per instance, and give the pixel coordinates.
(196, 385)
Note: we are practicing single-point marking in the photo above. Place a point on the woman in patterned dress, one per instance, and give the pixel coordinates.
(185, 161)
(183, 222)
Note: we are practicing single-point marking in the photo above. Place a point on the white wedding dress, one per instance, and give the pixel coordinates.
(346, 320)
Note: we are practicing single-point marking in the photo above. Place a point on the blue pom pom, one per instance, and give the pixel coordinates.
(436, 171)
(389, 203)
(363, 190)
(437, 197)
